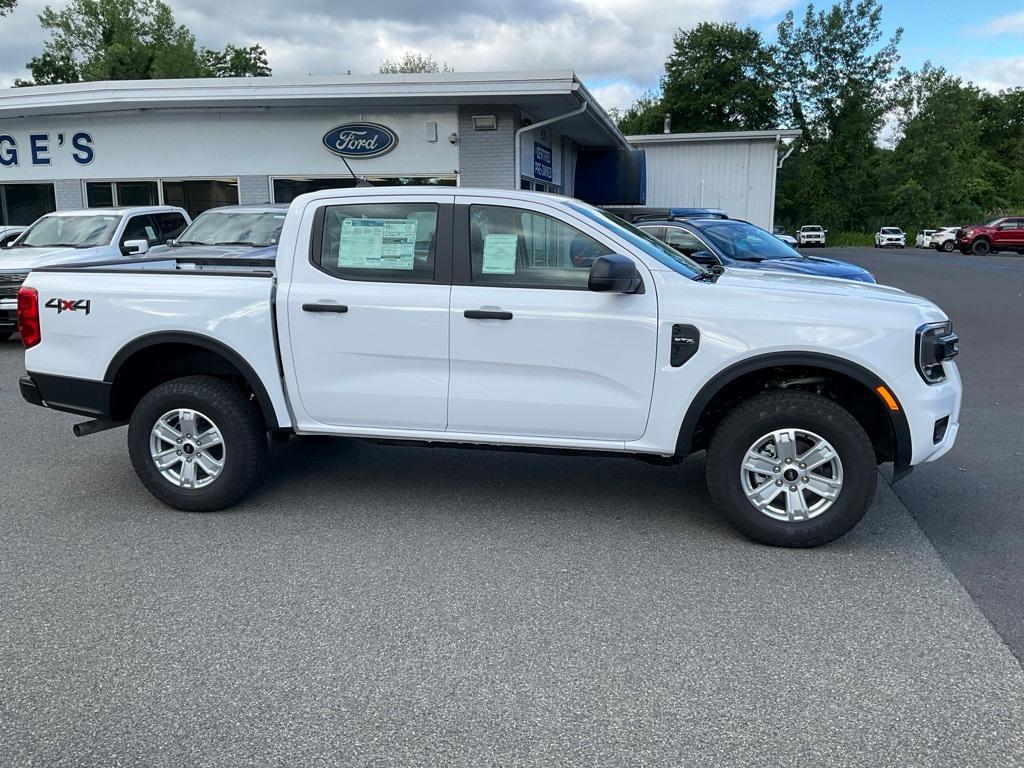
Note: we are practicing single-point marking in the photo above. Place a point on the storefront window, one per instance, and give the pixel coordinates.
(198, 195)
(287, 189)
(106, 194)
(21, 204)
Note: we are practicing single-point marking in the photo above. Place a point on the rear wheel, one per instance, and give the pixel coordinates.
(948, 246)
(197, 443)
(791, 469)
(981, 247)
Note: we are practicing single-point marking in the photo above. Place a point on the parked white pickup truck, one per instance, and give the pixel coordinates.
(811, 234)
(457, 316)
(88, 235)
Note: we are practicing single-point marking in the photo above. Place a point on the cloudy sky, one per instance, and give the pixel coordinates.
(618, 47)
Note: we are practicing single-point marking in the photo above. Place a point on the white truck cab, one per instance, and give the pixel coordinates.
(500, 318)
(811, 235)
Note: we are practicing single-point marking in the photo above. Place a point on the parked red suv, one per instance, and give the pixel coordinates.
(1005, 234)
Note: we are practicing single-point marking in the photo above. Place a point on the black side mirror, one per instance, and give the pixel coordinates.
(704, 257)
(615, 273)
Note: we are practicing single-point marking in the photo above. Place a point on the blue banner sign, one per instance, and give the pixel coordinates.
(542, 162)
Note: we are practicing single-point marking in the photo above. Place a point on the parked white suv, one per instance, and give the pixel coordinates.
(500, 318)
(890, 237)
(944, 239)
(811, 234)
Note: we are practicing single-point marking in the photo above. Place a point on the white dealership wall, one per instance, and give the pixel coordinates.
(212, 143)
(731, 170)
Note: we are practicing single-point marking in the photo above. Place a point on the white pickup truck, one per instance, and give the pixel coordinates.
(460, 316)
(90, 234)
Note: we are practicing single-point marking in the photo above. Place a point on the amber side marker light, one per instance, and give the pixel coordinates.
(886, 395)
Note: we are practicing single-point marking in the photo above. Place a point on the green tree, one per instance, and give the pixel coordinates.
(6, 6)
(236, 62)
(412, 63)
(835, 86)
(129, 40)
(718, 77)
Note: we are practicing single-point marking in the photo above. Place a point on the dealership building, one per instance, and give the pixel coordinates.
(209, 142)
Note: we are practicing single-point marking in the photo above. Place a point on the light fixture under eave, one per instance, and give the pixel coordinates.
(485, 123)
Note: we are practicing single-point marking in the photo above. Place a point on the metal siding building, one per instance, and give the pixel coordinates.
(731, 170)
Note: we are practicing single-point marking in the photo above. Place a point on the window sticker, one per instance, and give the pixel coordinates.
(500, 254)
(377, 244)
(150, 233)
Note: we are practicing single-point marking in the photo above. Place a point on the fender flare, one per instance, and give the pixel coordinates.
(903, 444)
(205, 342)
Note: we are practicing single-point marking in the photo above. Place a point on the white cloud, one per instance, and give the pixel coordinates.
(620, 45)
(1010, 24)
(995, 74)
(616, 95)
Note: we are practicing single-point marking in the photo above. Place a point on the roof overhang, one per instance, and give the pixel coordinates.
(674, 138)
(543, 94)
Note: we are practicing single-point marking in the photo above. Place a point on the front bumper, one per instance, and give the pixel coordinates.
(8, 314)
(924, 406)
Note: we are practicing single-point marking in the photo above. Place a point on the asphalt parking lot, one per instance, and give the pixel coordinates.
(377, 605)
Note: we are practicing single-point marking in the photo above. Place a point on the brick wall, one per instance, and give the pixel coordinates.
(253, 190)
(68, 194)
(487, 158)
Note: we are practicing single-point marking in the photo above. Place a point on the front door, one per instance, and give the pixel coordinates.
(1010, 234)
(368, 314)
(533, 352)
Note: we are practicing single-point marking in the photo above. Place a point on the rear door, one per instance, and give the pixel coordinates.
(367, 314)
(534, 353)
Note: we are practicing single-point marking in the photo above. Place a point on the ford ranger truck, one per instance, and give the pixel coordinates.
(88, 235)
(424, 316)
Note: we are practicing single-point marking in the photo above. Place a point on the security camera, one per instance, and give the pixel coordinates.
(453, 138)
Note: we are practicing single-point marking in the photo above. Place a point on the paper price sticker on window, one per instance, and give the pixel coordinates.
(500, 254)
(377, 244)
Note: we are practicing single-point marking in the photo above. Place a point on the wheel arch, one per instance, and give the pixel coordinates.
(125, 385)
(759, 370)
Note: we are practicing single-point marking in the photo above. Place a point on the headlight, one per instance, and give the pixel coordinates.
(936, 343)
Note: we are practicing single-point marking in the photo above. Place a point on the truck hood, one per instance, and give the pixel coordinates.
(764, 280)
(219, 252)
(25, 259)
(809, 265)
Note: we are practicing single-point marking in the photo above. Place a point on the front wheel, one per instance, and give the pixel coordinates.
(197, 443)
(791, 469)
(981, 247)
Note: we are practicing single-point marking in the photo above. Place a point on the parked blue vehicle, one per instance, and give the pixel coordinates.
(740, 245)
(249, 232)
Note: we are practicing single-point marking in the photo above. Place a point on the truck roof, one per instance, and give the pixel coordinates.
(119, 211)
(513, 194)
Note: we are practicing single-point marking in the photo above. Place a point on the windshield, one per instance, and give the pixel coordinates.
(745, 242)
(70, 231)
(891, 231)
(814, 228)
(653, 247)
(234, 228)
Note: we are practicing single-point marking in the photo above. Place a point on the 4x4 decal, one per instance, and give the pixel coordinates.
(69, 305)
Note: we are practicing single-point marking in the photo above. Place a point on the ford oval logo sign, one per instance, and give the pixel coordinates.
(360, 140)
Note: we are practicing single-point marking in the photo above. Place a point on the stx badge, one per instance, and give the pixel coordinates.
(69, 305)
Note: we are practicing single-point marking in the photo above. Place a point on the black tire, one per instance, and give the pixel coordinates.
(948, 246)
(6, 336)
(748, 422)
(244, 441)
(981, 247)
